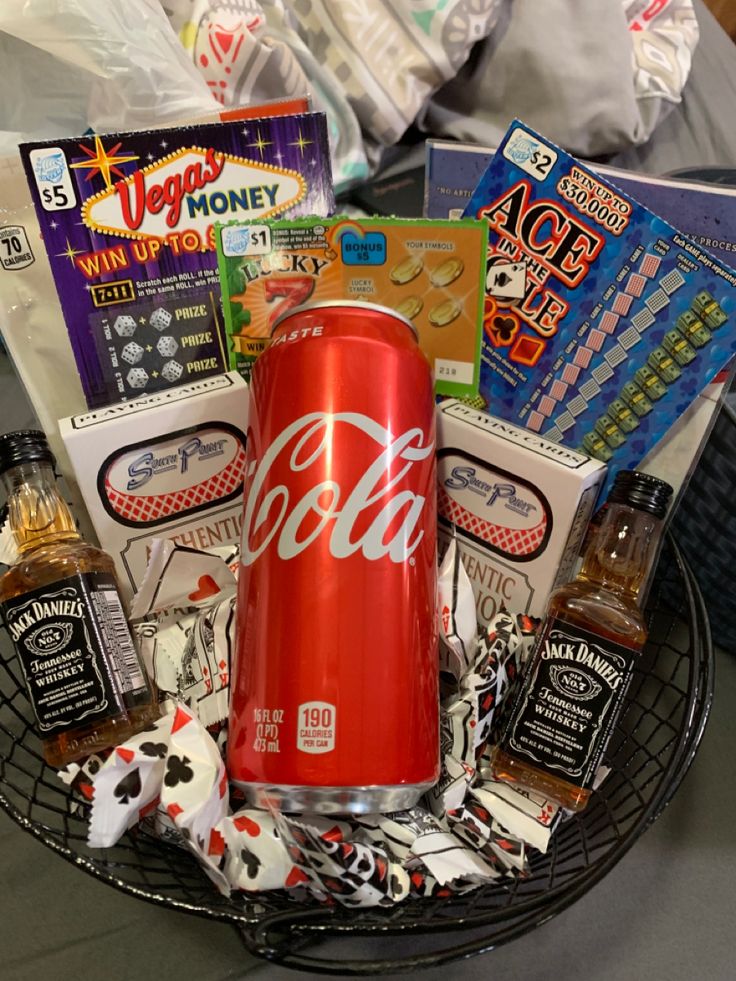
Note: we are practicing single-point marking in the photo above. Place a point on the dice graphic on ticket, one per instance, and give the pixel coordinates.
(167, 347)
(124, 326)
(137, 377)
(170, 345)
(172, 371)
(132, 353)
(160, 319)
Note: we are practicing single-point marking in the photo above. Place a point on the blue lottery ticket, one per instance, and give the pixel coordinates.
(602, 322)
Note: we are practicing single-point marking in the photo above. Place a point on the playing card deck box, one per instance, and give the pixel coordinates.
(168, 466)
(519, 504)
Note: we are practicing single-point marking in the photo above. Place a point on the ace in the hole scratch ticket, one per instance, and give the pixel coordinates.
(620, 320)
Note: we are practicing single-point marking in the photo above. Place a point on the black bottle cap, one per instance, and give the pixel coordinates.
(24, 446)
(641, 491)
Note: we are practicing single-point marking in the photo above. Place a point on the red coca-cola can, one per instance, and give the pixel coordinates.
(334, 703)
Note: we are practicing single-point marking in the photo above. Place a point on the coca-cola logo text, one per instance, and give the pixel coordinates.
(271, 516)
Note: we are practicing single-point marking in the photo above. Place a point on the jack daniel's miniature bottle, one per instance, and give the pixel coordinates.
(61, 607)
(582, 663)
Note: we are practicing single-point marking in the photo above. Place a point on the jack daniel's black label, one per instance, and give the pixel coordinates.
(75, 650)
(569, 702)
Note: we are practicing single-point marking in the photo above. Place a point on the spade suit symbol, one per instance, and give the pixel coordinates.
(129, 787)
(251, 862)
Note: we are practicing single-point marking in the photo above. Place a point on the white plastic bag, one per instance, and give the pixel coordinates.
(69, 65)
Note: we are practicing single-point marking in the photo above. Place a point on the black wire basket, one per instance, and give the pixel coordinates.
(666, 712)
(707, 513)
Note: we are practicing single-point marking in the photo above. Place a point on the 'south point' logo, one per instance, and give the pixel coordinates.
(505, 493)
(148, 465)
(182, 473)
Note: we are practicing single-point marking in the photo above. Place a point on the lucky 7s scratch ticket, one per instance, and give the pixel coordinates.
(602, 322)
(431, 271)
(128, 223)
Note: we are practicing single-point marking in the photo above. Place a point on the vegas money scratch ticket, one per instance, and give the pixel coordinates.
(127, 221)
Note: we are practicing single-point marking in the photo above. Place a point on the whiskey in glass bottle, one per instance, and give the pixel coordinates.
(61, 606)
(581, 666)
